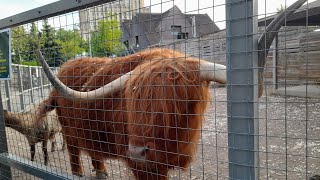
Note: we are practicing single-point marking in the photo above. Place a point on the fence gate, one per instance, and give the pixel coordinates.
(138, 104)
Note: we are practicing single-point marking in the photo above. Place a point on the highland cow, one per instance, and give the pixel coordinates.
(152, 123)
(145, 109)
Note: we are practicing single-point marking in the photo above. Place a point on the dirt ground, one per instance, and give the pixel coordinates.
(289, 143)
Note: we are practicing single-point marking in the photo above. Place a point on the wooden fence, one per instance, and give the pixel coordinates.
(298, 56)
(297, 61)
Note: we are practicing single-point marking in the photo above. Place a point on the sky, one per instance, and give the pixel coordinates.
(12, 7)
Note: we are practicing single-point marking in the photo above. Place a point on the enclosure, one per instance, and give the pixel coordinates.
(165, 116)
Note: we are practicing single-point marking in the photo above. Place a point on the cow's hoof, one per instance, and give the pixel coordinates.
(100, 174)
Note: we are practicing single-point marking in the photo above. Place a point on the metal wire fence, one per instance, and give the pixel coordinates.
(26, 87)
(160, 118)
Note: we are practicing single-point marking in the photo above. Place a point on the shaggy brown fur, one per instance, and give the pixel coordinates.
(160, 107)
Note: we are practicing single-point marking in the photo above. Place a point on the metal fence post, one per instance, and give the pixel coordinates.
(20, 87)
(8, 94)
(31, 85)
(41, 82)
(5, 171)
(242, 88)
(275, 56)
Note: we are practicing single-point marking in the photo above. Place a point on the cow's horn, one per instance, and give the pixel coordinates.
(69, 93)
(208, 71)
(213, 72)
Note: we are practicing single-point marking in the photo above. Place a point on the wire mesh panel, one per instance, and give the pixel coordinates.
(156, 122)
(143, 91)
(288, 110)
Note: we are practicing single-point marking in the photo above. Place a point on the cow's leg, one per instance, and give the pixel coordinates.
(99, 167)
(33, 151)
(74, 155)
(76, 166)
(45, 151)
(53, 144)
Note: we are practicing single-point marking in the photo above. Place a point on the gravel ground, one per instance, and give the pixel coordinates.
(289, 143)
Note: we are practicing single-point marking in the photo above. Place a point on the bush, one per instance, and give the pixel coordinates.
(30, 63)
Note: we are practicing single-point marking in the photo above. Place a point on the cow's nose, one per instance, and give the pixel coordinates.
(138, 153)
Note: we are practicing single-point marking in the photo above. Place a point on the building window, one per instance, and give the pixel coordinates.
(182, 36)
(137, 41)
(175, 30)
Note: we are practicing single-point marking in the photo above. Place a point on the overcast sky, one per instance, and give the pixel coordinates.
(12, 7)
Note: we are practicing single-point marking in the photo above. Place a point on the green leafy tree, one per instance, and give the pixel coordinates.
(1, 54)
(106, 40)
(34, 43)
(52, 50)
(19, 44)
(70, 42)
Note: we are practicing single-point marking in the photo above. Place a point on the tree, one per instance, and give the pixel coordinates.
(70, 42)
(1, 54)
(106, 40)
(52, 50)
(34, 43)
(19, 44)
(281, 9)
